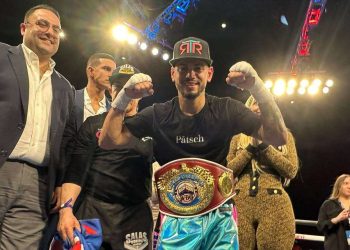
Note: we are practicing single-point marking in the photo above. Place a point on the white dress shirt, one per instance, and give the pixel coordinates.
(88, 109)
(34, 145)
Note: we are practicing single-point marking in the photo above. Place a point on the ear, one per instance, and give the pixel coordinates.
(90, 71)
(172, 72)
(210, 73)
(22, 27)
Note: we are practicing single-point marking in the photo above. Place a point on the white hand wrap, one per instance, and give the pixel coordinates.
(260, 93)
(122, 100)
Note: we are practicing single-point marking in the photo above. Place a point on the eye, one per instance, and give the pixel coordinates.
(43, 23)
(182, 68)
(107, 68)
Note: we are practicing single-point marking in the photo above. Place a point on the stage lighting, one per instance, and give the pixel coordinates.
(132, 39)
(155, 51)
(165, 56)
(120, 32)
(143, 46)
(329, 83)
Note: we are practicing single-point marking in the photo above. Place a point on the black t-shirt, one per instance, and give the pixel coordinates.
(119, 176)
(205, 135)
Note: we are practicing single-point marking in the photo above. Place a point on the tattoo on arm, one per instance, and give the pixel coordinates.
(272, 121)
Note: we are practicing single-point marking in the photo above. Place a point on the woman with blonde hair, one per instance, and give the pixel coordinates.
(265, 213)
(334, 216)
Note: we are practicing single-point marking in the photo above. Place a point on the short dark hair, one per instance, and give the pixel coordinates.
(38, 7)
(94, 59)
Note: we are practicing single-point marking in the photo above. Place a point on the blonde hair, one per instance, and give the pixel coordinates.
(245, 140)
(337, 184)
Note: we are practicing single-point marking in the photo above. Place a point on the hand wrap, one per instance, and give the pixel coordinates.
(122, 100)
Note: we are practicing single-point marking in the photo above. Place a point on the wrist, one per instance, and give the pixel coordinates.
(334, 220)
(121, 101)
(259, 91)
(67, 204)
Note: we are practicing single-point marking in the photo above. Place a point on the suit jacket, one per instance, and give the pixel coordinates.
(72, 128)
(14, 94)
(79, 108)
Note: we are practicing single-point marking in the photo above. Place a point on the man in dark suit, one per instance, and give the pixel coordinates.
(89, 101)
(35, 105)
(92, 100)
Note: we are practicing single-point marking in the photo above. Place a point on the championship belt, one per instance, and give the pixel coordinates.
(190, 187)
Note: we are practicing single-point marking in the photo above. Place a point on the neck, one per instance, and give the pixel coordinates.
(94, 92)
(345, 201)
(192, 106)
(43, 66)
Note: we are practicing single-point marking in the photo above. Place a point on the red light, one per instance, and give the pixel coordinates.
(314, 16)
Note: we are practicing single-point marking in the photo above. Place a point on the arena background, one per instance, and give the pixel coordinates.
(255, 34)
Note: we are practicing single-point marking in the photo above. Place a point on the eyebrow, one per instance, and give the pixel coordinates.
(107, 67)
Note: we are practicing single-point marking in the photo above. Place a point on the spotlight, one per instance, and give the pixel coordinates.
(329, 83)
(312, 90)
(279, 87)
(143, 46)
(223, 25)
(292, 83)
(155, 51)
(120, 32)
(325, 90)
(290, 91)
(316, 82)
(165, 56)
(268, 84)
(301, 91)
(132, 39)
(304, 83)
(62, 35)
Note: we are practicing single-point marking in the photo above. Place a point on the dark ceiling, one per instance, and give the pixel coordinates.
(255, 34)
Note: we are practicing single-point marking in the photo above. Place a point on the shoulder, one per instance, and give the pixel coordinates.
(215, 100)
(4, 46)
(165, 105)
(330, 203)
(160, 109)
(61, 77)
(6, 49)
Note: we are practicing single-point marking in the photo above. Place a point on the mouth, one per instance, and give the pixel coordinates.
(191, 83)
(47, 40)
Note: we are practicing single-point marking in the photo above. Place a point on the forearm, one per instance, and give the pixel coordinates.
(70, 191)
(274, 131)
(113, 131)
(238, 163)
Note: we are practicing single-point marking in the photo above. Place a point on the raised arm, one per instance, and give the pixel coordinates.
(273, 130)
(114, 133)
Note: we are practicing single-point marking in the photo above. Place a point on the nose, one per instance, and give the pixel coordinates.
(191, 73)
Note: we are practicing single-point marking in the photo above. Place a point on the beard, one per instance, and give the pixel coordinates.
(192, 94)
